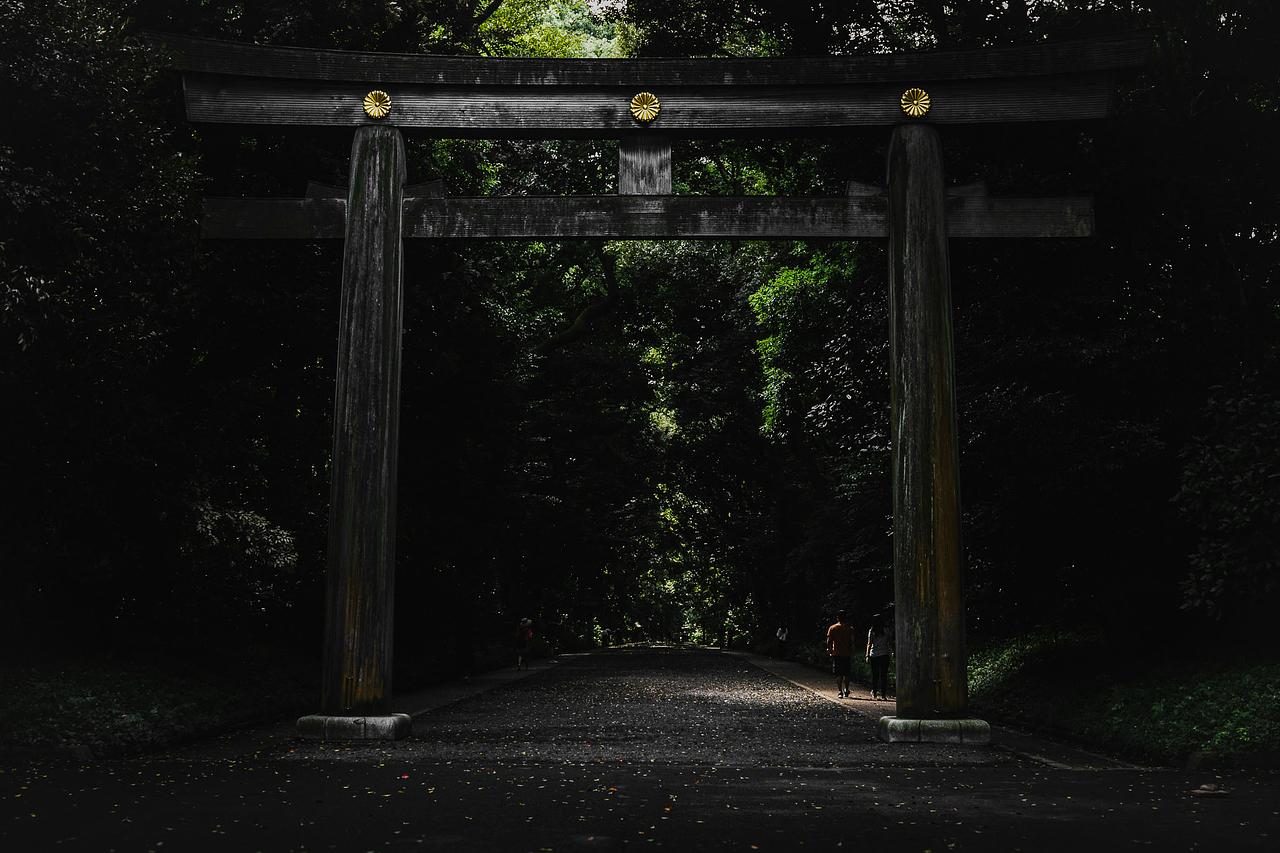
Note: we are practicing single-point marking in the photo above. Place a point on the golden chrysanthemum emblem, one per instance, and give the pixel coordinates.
(377, 104)
(915, 102)
(645, 107)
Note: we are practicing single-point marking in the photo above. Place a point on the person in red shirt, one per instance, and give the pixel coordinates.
(840, 647)
(524, 639)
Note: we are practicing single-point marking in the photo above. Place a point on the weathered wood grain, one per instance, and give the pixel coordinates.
(209, 56)
(644, 164)
(558, 111)
(928, 586)
(646, 217)
(362, 513)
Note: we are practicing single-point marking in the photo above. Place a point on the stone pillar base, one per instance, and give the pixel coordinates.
(323, 727)
(900, 730)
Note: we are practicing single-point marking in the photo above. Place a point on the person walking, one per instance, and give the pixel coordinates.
(840, 648)
(524, 639)
(879, 648)
(782, 642)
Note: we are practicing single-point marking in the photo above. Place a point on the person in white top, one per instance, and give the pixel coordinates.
(782, 642)
(879, 648)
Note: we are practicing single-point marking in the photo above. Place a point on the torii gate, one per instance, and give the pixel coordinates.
(644, 104)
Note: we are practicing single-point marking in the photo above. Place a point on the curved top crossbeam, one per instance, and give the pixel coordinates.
(238, 83)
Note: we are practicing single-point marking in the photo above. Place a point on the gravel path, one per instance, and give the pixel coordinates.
(620, 750)
(658, 706)
(668, 706)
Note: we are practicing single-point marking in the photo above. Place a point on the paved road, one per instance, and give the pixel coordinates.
(622, 750)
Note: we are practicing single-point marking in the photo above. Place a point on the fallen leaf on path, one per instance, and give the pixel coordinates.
(1210, 789)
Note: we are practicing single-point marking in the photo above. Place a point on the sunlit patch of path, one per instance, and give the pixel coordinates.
(822, 684)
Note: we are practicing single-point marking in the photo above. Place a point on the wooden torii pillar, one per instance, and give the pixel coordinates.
(644, 104)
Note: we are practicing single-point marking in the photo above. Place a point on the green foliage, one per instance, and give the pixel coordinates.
(563, 28)
(238, 555)
(797, 305)
(111, 706)
(1230, 495)
(998, 666)
(1153, 707)
(1208, 709)
(98, 245)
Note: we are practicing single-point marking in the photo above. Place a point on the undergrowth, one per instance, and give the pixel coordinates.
(1076, 684)
(109, 706)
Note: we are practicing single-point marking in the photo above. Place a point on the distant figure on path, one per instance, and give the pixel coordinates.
(524, 638)
(879, 647)
(840, 647)
(782, 642)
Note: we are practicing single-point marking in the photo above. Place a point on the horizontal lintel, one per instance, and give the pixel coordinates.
(211, 56)
(647, 217)
(605, 111)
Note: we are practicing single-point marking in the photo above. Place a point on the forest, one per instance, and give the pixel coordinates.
(635, 441)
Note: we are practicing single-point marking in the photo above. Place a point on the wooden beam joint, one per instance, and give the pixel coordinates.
(644, 165)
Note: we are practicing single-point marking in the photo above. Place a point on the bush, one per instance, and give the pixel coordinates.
(1073, 683)
(1230, 494)
(109, 706)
